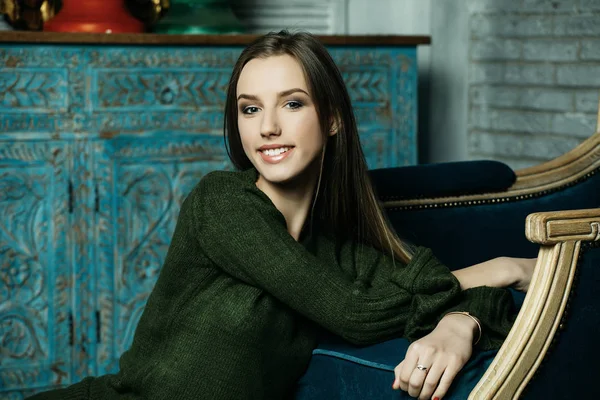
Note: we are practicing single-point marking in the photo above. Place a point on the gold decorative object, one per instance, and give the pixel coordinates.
(32, 14)
(29, 14)
(148, 11)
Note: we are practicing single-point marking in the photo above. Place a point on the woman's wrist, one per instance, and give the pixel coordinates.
(463, 324)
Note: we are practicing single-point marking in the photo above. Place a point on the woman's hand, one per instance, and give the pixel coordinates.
(443, 352)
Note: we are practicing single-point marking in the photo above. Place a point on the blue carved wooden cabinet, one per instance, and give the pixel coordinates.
(101, 139)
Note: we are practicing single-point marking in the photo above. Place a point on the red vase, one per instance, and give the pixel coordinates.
(97, 16)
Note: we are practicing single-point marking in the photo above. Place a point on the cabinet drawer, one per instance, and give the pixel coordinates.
(34, 90)
(156, 90)
(39, 86)
(141, 88)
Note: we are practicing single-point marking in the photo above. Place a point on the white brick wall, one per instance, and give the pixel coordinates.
(534, 78)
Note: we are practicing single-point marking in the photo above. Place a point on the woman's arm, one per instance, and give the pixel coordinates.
(240, 230)
(499, 272)
(242, 233)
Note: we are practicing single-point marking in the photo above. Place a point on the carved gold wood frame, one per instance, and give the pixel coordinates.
(560, 235)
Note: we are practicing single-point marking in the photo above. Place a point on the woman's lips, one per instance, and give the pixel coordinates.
(275, 159)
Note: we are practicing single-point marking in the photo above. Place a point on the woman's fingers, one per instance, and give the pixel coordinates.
(446, 379)
(396, 385)
(421, 368)
(405, 368)
(426, 384)
(432, 380)
(417, 379)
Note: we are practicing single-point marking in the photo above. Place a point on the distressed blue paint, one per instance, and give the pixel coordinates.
(382, 83)
(35, 277)
(159, 89)
(33, 90)
(143, 182)
(132, 128)
(98, 90)
(82, 253)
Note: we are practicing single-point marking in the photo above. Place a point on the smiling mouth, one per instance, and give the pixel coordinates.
(275, 156)
(275, 152)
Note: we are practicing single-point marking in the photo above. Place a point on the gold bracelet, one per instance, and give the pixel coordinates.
(473, 318)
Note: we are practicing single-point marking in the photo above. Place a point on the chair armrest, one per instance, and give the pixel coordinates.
(549, 228)
(560, 235)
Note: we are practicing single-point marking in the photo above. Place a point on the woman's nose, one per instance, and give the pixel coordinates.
(269, 125)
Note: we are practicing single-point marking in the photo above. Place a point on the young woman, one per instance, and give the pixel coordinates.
(294, 242)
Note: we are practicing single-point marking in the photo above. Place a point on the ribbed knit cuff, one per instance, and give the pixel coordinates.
(434, 290)
(424, 274)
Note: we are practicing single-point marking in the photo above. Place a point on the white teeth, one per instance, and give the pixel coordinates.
(275, 152)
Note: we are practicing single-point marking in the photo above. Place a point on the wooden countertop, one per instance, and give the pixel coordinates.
(196, 40)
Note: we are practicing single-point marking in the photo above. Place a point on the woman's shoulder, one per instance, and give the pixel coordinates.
(222, 183)
(227, 192)
(228, 199)
(221, 179)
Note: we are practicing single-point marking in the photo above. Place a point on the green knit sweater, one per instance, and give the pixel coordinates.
(238, 304)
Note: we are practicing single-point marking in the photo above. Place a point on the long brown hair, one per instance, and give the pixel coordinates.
(345, 200)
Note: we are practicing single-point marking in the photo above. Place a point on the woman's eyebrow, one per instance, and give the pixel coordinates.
(290, 91)
(280, 94)
(247, 96)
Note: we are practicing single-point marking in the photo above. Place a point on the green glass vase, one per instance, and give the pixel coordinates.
(199, 17)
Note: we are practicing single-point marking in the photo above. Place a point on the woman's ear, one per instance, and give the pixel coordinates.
(334, 125)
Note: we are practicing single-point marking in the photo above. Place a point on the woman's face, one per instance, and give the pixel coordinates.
(277, 120)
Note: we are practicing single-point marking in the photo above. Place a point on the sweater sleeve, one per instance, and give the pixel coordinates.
(494, 307)
(242, 232)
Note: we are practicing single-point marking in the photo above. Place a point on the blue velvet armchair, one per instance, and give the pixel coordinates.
(468, 212)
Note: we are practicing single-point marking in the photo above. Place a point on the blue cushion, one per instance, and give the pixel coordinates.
(339, 370)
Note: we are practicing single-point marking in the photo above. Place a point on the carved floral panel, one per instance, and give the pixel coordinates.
(35, 273)
(142, 182)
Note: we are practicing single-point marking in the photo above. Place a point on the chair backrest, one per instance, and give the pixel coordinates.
(464, 229)
(465, 232)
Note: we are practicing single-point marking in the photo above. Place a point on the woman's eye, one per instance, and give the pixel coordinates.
(293, 104)
(249, 110)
